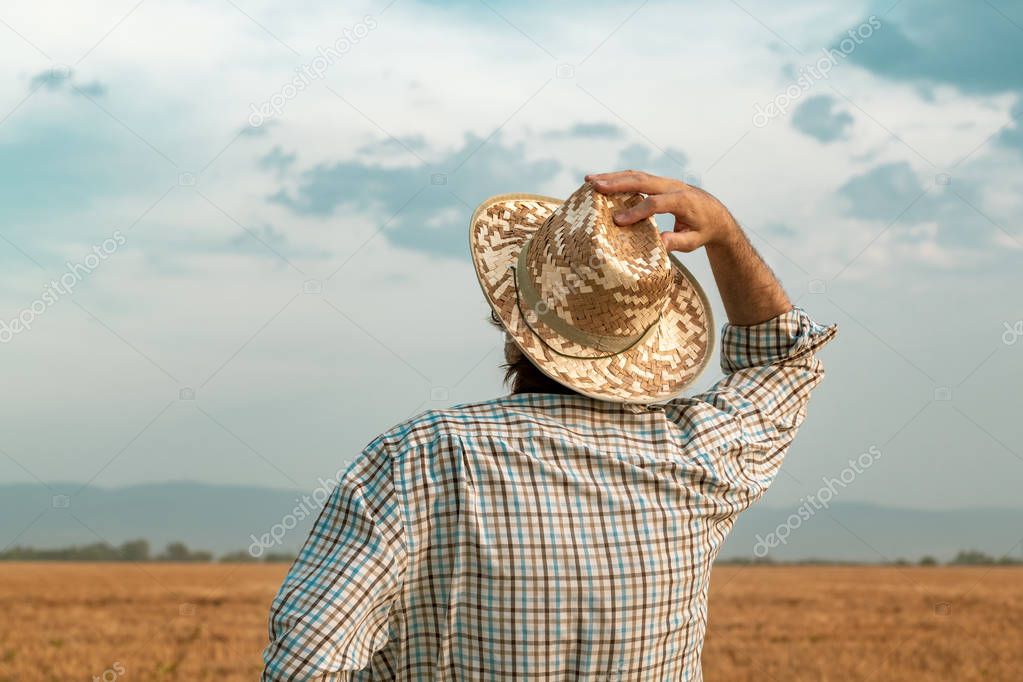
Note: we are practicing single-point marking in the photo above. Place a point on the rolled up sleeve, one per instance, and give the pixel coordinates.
(331, 614)
(770, 370)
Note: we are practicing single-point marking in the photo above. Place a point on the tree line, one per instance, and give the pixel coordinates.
(970, 557)
(135, 550)
(139, 550)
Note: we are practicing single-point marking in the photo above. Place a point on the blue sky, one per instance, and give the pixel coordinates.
(307, 280)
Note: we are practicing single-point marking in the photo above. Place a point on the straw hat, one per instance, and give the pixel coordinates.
(602, 309)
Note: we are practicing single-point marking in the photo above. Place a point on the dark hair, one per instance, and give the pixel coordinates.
(520, 374)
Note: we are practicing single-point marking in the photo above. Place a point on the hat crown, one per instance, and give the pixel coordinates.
(596, 276)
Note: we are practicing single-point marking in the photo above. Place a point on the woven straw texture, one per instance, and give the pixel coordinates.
(614, 284)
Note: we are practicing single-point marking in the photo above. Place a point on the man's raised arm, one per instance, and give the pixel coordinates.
(767, 348)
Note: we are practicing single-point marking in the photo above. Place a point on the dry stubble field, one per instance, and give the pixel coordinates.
(207, 622)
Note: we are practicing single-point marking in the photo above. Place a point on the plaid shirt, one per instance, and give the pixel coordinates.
(543, 537)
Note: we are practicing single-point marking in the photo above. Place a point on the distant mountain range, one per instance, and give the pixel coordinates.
(223, 519)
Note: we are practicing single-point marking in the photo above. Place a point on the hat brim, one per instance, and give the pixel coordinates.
(659, 367)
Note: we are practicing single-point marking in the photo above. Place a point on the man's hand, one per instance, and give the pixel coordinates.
(700, 219)
(748, 288)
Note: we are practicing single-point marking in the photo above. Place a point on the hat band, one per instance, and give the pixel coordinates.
(526, 293)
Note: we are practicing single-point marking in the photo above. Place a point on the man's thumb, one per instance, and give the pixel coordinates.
(686, 241)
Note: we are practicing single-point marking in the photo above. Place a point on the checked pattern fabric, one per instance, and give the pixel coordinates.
(543, 537)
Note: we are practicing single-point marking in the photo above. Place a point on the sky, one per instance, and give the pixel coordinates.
(260, 212)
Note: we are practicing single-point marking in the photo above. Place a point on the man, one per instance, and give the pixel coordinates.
(565, 531)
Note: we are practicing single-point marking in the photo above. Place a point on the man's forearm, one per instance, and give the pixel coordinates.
(749, 290)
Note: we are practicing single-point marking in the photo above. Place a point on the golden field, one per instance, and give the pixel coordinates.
(71, 621)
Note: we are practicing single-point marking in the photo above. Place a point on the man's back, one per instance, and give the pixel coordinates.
(543, 536)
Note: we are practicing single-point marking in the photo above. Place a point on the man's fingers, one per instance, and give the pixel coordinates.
(632, 181)
(685, 241)
(656, 203)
